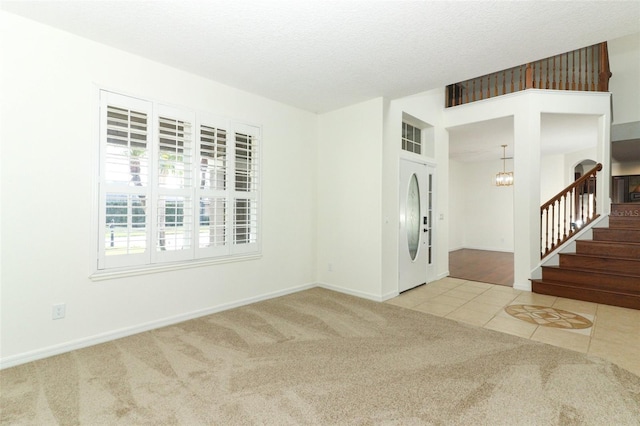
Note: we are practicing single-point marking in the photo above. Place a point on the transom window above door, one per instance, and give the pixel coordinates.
(411, 138)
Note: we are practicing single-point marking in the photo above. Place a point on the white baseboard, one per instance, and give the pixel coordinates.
(361, 294)
(389, 295)
(23, 358)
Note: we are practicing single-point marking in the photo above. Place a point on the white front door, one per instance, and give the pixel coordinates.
(415, 249)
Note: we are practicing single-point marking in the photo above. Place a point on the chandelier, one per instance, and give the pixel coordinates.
(504, 178)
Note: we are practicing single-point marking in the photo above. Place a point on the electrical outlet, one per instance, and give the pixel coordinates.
(58, 311)
(330, 267)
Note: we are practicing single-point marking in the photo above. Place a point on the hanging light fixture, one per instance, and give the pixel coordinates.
(504, 178)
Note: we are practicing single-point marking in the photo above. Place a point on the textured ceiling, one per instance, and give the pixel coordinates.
(323, 55)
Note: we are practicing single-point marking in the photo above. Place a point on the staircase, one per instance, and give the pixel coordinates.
(605, 269)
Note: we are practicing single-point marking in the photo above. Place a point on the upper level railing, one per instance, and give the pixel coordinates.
(585, 69)
(567, 212)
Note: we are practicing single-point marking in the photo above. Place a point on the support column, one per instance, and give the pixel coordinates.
(526, 193)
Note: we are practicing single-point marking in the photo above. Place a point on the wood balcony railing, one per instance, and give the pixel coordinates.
(564, 215)
(585, 69)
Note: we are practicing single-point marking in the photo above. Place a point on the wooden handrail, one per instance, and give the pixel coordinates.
(568, 211)
(579, 181)
(585, 69)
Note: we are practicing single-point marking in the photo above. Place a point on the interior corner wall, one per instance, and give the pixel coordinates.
(349, 202)
(49, 133)
(624, 62)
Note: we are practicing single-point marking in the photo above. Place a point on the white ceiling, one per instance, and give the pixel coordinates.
(322, 55)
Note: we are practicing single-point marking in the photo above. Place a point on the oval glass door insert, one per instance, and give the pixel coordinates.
(413, 217)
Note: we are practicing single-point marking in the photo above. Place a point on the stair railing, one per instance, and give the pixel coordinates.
(567, 212)
(585, 69)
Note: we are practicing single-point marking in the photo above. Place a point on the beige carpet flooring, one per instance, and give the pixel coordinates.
(320, 357)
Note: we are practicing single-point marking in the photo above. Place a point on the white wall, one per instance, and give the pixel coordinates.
(457, 178)
(358, 170)
(552, 176)
(488, 209)
(481, 213)
(349, 199)
(49, 133)
(624, 62)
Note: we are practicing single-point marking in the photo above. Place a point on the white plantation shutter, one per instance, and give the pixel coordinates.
(246, 188)
(124, 177)
(213, 158)
(213, 190)
(174, 185)
(174, 232)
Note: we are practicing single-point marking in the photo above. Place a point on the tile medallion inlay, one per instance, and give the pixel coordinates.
(548, 317)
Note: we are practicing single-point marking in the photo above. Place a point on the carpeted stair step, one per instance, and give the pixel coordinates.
(573, 291)
(604, 280)
(608, 249)
(616, 234)
(600, 263)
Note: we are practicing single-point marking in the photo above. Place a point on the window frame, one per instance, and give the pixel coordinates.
(153, 259)
(407, 141)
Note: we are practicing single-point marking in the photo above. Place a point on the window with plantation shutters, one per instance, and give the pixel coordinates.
(175, 185)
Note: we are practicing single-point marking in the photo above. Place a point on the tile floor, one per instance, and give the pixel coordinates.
(615, 334)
